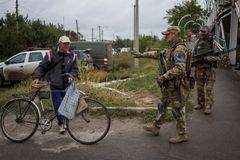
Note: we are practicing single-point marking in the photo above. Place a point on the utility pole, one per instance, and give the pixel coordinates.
(17, 28)
(78, 35)
(151, 39)
(99, 32)
(102, 34)
(92, 34)
(63, 24)
(136, 31)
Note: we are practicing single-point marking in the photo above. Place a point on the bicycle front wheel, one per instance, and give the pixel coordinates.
(19, 120)
(91, 125)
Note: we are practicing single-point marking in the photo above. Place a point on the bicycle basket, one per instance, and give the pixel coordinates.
(39, 85)
(44, 94)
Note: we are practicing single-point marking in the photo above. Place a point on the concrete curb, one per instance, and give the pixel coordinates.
(135, 108)
(132, 108)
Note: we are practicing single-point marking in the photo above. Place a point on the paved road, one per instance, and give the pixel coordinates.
(214, 137)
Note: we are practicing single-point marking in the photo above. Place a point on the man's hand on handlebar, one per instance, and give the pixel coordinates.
(35, 81)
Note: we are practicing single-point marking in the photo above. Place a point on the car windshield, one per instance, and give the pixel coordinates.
(18, 59)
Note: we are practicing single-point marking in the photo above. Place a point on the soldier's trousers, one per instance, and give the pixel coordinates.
(205, 78)
(176, 100)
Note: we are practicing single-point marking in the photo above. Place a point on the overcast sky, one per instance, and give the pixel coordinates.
(114, 16)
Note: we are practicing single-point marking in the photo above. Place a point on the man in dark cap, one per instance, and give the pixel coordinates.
(205, 75)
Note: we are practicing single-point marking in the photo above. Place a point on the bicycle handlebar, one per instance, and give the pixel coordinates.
(40, 84)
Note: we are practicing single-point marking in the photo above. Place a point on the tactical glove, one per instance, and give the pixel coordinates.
(160, 80)
(136, 54)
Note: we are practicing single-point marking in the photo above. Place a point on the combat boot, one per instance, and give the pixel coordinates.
(208, 110)
(152, 128)
(198, 106)
(178, 138)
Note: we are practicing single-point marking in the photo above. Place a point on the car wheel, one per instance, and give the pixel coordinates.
(1, 81)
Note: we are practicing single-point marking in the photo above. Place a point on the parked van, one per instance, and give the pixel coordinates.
(101, 53)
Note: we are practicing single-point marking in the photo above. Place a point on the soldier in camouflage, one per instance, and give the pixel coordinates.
(174, 94)
(204, 70)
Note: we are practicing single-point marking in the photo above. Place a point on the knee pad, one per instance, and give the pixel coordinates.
(161, 107)
(177, 114)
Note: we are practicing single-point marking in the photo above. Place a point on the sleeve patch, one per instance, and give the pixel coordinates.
(180, 59)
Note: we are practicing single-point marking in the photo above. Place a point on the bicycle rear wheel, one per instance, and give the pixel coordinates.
(91, 125)
(19, 120)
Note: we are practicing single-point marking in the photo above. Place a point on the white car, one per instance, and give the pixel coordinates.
(21, 66)
(125, 50)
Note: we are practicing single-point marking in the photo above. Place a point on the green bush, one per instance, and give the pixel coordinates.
(122, 61)
(147, 82)
(2, 59)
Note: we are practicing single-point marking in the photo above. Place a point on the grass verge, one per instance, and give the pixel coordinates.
(142, 85)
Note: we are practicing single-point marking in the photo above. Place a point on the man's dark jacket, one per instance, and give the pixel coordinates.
(55, 65)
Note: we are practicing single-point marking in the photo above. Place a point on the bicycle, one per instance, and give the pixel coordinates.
(21, 117)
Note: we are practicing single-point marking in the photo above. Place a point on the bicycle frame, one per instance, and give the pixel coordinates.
(43, 112)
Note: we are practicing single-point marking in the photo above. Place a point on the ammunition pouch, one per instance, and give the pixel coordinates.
(206, 64)
(187, 82)
(177, 83)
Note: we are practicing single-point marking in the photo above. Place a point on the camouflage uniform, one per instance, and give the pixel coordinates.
(175, 93)
(205, 74)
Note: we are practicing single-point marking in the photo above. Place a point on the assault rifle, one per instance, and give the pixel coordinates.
(200, 56)
(162, 67)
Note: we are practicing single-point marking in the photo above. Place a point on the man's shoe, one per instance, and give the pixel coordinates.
(197, 107)
(62, 129)
(178, 139)
(152, 128)
(208, 110)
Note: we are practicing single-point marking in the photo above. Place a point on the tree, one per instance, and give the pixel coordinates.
(144, 42)
(121, 43)
(32, 33)
(189, 7)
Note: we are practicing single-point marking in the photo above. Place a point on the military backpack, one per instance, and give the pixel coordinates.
(190, 79)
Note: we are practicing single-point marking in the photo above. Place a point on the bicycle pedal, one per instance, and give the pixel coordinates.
(43, 132)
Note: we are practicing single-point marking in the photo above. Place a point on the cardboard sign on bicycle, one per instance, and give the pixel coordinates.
(82, 105)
